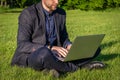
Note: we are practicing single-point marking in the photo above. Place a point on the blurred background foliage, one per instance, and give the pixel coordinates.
(66, 4)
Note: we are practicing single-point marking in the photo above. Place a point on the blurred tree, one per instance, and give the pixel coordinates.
(66, 4)
(21, 3)
(3, 3)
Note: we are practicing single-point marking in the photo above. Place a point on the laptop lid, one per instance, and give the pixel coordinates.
(84, 47)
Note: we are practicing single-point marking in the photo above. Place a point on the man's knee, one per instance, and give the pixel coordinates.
(40, 54)
(44, 52)
(37, 58)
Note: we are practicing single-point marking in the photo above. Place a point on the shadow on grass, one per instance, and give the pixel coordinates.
(109, 44)
(107, 57)
(10, 10)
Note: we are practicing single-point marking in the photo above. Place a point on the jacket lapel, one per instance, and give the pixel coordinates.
(41, 18)
(41, 14)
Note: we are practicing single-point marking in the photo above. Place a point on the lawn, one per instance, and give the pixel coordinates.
(78, 23)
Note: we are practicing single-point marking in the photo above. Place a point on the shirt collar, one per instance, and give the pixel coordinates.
(47, 13)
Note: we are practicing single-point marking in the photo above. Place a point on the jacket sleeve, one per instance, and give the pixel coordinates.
(64, 35)
(65, 38)
(25, 31)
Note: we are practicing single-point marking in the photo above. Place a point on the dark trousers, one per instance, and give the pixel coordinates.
(43, 58)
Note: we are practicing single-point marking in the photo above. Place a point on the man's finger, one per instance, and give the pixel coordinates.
(63, 53)
(65, 50)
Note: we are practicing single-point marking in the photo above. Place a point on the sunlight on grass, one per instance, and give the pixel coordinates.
(78, 23)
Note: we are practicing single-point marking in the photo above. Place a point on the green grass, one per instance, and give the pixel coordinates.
(78, 23)
(7, 10)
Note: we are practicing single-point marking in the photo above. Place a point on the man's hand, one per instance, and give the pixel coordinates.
(62, 52)
(68, 47)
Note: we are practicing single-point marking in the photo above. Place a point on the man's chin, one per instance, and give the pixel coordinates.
(54, 8)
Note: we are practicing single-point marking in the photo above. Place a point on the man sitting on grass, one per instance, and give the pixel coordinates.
(41, 33)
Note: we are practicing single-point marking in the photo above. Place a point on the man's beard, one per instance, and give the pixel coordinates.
(52, 8)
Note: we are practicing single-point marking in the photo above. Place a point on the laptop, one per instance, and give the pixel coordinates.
(84, 47)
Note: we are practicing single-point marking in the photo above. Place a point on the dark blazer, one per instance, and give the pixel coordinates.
(31, 32)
